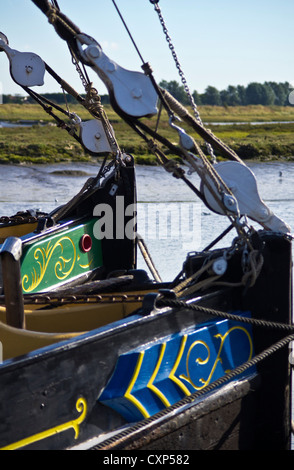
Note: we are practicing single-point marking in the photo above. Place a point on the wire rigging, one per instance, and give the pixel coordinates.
(221, 192)
(128, 31)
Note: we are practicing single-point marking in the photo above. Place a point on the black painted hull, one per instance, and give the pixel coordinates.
(49, 399)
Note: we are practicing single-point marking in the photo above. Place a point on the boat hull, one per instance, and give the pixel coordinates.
(71, 394)
(59, 253)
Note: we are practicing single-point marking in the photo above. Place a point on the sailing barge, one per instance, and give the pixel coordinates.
(99, 355)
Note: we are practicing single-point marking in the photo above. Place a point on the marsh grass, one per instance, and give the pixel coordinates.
(48, 144)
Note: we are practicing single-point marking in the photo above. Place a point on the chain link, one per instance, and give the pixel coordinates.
(216, 178)
(182, 75)
(26, 217)
(55, 298)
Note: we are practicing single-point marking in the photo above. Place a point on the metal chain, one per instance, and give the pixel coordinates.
(56, 298)
(19, 218)
(240, 227)
(182, 75)
(79, 71)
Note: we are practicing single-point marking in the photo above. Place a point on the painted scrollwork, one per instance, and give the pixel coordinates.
(62, 266)
(193, 362)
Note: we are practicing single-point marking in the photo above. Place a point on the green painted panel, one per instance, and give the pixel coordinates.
(58, 258)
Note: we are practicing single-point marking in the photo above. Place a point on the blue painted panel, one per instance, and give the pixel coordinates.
(150, 378)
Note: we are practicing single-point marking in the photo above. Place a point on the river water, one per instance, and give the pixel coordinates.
(171, 219)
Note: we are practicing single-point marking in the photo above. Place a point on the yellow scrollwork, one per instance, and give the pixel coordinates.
(62, 268)
(183, 357)
(217, 359)
(172, 375)
(81, 406)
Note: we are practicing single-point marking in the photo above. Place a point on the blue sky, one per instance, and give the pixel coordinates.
(219, 43)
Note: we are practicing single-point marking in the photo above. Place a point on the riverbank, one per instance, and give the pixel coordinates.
(271, 139)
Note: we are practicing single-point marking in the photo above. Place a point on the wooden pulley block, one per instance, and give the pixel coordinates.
(26, 68)
(242, 183)
(94, 137)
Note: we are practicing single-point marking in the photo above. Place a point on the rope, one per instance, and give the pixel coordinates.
(256, 262)
(172, 303)
(94, 106)
(56, 18)
(208, 167)
(70, 128)
(122, 438)
(55, 4)
(180, 287)
(128, 31)
(182, 75)
(206, 134)
(147, 257)
(251, 269)
(221, 187)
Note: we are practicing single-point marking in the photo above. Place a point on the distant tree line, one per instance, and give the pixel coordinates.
(267, 94)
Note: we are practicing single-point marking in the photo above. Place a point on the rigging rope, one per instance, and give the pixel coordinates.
(145, 65)
(55, 4)
(221, 189)
(128, 31)
(68, 31)
(122, 438)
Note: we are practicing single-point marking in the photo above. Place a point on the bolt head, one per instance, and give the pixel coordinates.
(93, 52)
(137, 93)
